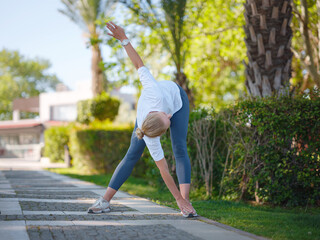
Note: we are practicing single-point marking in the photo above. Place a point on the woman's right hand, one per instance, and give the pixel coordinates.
(185, 206)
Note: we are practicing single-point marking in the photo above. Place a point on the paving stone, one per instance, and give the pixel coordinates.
(13, 230)
(57, 193)
(144, 232)
(77, 197)
(33, 180)
(44, 185)
(88, 217)
(9, 206)
(52, 195)
(23, 174)
(59, 206)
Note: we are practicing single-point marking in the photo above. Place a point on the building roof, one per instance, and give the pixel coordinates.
(19, 124)
(26, 104)
(29, 123)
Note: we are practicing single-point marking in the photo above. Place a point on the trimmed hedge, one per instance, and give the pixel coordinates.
(101, 150)
(275, 156)
(55, 139)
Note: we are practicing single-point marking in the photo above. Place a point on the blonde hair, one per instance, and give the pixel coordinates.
(152, 126)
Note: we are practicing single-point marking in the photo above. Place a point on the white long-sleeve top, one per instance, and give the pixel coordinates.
(162, 96)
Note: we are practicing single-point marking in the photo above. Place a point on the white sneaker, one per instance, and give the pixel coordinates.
(189, 215)
(100, 206)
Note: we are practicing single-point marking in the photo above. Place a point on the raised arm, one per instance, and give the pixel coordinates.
(118, 33)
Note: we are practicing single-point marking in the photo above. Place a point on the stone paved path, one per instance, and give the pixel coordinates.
(37, 204)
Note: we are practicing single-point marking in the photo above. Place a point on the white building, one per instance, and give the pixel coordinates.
(23, 138)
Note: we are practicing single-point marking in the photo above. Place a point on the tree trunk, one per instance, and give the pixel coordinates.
(268, 41)
(97, 73)
(318, 12)
(312, 63)
(256, 192)
(182, 80)
(243, 185)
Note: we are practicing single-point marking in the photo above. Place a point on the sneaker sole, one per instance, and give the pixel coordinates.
(101, 211)
(190, 215)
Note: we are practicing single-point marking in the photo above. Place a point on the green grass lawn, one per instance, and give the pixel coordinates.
(270, 222)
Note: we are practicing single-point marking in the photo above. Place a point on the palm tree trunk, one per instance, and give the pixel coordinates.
(97, 73)
(268, 41)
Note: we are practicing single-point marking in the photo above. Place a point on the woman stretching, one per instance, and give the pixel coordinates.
(161, 105)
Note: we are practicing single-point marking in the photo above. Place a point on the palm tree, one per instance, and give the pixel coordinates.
(268, 41)
(173, 19)
(85, 13)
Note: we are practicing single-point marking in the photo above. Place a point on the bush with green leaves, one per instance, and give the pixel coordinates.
(101, 107)
(55, 139)
(275, 150)
(101, 150)
(105, 107)
(84, 114)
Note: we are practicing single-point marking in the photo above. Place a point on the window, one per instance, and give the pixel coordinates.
(28, 138)
(63, 112)
(10, 140)
(23, 138)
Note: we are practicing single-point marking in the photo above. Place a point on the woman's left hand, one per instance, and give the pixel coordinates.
(117, 32)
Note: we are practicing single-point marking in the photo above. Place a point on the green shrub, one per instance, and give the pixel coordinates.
(101, 107)
(275, 151)
(105, 107)
(84, 114)
(101, 150)
(55, 139)
(197, 117)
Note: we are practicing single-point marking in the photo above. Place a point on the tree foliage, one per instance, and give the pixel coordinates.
(214, 62)
(212, 48)
(216, 48)
(168, 20)
(21, 77)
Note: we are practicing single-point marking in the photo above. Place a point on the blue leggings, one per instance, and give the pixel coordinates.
(178, 133)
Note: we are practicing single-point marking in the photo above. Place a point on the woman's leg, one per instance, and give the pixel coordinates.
(124, 168)
(178, 132)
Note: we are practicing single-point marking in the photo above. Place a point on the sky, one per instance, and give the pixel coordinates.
(36, 29)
